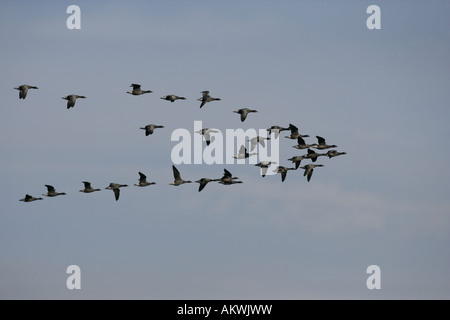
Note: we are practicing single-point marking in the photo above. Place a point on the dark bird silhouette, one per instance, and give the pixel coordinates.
(322, 144)
(309, 168)
(244, 112)
(23, 90)
(51, 192)
(203, 182)
(206, 98)
(71, 99)
(116, 188)
(283, 171)
(228, 178)
(276, 130)
(29, 198)
(143, 181)
(172, 98)
(294, 133)
(177, 178)
(150, 128)
(88, 188)
(137, 91)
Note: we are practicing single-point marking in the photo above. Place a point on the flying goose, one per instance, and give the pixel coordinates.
(254, 142)
(137, 90)
(203, 182)
(115, 187)
(302, 144)
(23, 90)
(206, 98)
(244, 112)
(264, 165)
(276, 130)
(71, 99)
(228, 178)
(309, 168)
(29, 198)
(294, 133)
(143, 181)
(172, 98)
(177, 178)
(205, 132)
(334, 153)
(283, 171)
(150, 128)
(313, 155)
(88, 188)
(243, 153)
(322, 144)
(51, 192)
(297, 160)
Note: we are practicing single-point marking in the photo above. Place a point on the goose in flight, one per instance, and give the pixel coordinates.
(115, 187)
(29, 198)
(244, 112)
(297, 160)
(254, 142)
(309, 168)
(51, 192)
(71, 99)
(206, 98)
(23, 90)
(334, 153)
(172, 98)
(243, 153)
(177, 178)
(283, 171)
(313, 155)
(137, 90)
(276, 130)
(228, 178)
(206, 132)
(264, 165)
(150, 128)
(302, 144)
(294, 133)
(322, 144)
(203, 182)
(88, 188)
(143, 181)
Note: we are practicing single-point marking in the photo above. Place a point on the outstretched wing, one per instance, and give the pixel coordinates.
(301, 141)
(320, 140)
(142, 177)
(293, 128)
(226, 173)
(116, 193)
(176, 173)
(87, 185)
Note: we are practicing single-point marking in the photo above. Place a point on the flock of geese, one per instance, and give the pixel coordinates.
(227, 178)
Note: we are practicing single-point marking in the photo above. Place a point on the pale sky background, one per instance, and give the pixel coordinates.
(381, 95)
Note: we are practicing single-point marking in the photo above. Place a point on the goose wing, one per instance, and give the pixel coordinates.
(176, 173)
(87, 185)
(50, 188)
(226, 173)
(293, 128)
(116, 193)
(320, 140)
(142, 177)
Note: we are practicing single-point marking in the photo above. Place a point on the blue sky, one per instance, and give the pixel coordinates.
(380, 95)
